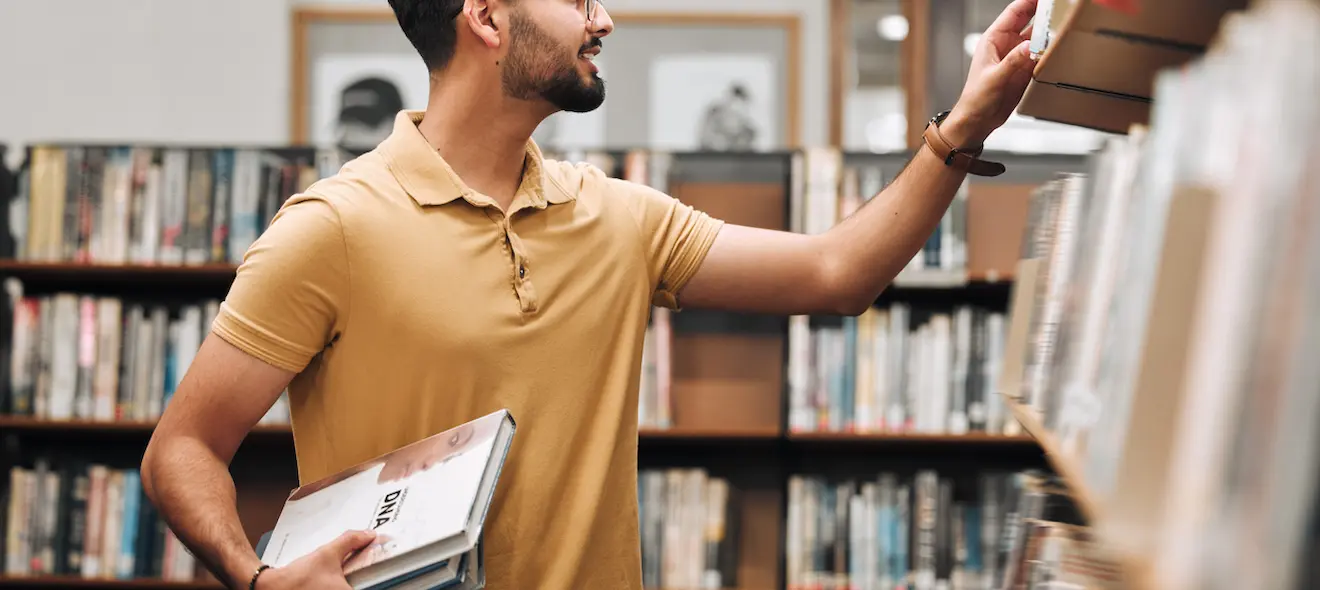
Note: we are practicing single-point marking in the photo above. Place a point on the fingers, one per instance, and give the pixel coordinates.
(1014, 18)
(1017, 60)
(349, 542)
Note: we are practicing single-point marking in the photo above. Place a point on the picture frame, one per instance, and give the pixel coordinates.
(674, 81)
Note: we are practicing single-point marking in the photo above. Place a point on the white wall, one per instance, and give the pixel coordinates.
(217, 71)
(153, 70)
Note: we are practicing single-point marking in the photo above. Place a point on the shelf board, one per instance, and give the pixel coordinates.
(21, 268)
(707, 433)
(154, 280)
(144, 429)
(103, 584)
(914, 279)
(94, 427)
(864, 438)
(712, 436)
(1136, 570)
(1065, 465)
(931, 278)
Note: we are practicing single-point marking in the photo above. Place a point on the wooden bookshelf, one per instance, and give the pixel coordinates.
(74, 272)
(1065, 465)
(898, 438)
(708, 435)
(30, 425)
(105, 427)
(85, 272)
(727, 395)
(1136, 570)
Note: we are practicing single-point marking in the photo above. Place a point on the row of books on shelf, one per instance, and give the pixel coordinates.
(826, 189)
(87, 520)
(77, 356)
(654, 401)
(1168, 340)
(898, 369)
(153, 205)
(189, 206)
(917, 531)
(927, 530)
(689, 522)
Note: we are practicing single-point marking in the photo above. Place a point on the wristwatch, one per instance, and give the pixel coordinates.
(967, 160)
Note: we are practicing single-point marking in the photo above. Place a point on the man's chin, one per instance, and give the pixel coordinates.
(582, 107)
(584, 100)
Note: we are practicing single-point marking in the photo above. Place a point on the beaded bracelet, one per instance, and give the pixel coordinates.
(253, 584)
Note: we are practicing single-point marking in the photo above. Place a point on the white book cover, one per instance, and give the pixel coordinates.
(426, 503)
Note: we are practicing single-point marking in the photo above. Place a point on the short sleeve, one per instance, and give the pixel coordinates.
(677, 238)
(290, 297)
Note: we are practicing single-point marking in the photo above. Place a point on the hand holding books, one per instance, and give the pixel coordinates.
(323, 568)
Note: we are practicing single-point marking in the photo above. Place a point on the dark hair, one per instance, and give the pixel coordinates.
(429, 25)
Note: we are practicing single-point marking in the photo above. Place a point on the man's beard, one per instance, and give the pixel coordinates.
(533, 71)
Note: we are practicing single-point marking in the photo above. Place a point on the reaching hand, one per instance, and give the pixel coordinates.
(1001, 69)
(323, 568)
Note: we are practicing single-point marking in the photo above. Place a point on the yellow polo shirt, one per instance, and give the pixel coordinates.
(409, 303)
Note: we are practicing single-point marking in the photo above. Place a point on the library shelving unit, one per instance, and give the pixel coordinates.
(723, 413)
(1162, 329)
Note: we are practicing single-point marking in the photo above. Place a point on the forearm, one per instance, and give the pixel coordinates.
(875, 243)
(194, 493)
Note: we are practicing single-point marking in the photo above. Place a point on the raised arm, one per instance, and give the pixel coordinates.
(843, 270)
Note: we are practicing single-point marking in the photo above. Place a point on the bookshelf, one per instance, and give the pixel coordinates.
(1063, 463)
(728, 374)
(1162, 334)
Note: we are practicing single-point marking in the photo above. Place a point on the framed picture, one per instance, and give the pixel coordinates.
(674, 81)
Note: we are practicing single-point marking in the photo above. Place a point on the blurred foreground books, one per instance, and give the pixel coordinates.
(1171, 319)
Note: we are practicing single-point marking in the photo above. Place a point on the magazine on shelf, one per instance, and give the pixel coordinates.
(426, 502)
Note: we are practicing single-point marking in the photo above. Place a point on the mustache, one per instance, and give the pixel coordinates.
(594, 42)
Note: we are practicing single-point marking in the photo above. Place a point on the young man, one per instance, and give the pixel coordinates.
(452, 271)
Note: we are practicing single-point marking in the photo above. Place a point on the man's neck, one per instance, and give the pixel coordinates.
(483, 139)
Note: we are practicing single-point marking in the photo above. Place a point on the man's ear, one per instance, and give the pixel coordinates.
(479, 15)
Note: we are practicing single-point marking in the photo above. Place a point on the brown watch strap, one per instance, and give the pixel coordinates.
(962, 160)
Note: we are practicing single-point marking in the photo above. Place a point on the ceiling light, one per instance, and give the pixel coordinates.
(893, 27)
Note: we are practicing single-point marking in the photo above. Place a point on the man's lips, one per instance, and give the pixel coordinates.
(589, 56)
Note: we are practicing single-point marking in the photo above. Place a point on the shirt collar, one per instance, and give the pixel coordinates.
(429, 180)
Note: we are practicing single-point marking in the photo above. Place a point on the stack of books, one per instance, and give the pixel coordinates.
(426, 502)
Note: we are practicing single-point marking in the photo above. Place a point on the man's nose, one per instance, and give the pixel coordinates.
(601, 23)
